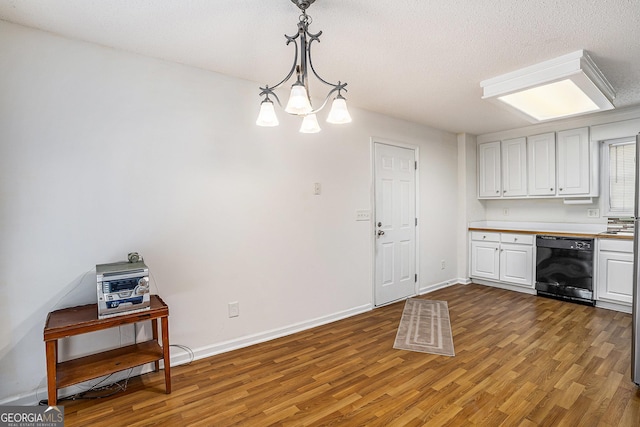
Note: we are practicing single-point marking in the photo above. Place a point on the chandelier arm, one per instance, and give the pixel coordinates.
(338, 86)
(295, 61)
(326, 99)
(277, 99)
(267, 91)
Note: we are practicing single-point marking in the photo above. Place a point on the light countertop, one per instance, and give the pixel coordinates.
(595, 231)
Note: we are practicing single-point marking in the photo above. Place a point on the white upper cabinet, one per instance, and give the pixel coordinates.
(514, 167)
(541, 157)
(562, 164)
(489, 175)
(502, 169)
(574, 162)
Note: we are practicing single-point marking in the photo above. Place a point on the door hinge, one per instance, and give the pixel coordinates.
(416, 277)
(416, 165)
(416, 221)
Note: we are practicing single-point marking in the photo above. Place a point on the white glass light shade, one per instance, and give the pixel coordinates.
(298, 100)
(339, 113)
(310, 124)
(551, 101)
(267, 115)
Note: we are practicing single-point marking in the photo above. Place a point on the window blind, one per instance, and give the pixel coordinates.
(622, 161)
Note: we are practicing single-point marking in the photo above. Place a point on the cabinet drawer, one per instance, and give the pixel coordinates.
(485, 237)
(521, 239)
(616, 245)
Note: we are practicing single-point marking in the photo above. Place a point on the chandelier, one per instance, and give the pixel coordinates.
(299, 100)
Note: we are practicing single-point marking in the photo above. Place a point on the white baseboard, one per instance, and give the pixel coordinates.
(624, 308)
(435, 286)
(441, 285)
(507, 286)
(40, 393)
(248, 340)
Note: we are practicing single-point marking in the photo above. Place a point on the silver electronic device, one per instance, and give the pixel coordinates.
(123, 288)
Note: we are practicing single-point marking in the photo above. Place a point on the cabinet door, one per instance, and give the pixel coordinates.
(516, 264)
(484, 260)
(489, 169)
(514, 167)
(574, 165)
(615, 276)
(541, 158)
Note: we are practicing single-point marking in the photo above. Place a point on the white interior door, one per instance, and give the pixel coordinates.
(395, 222)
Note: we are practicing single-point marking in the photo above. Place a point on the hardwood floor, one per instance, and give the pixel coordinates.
(521, 360)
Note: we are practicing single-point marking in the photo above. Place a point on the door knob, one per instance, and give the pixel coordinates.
(380, 233)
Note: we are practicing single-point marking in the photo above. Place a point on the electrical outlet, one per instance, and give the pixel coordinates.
(317, 188)
(593, 213)
(234, 309)
(443, 264)
(363, 215)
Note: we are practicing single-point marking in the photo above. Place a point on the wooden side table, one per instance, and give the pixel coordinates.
(82, 319)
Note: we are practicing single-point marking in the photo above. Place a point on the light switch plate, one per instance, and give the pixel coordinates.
(363, 215)
(234, 309)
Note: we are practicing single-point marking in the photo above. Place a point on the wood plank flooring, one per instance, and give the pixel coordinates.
(521, 360)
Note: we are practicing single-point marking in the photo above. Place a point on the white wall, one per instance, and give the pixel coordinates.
(104, 152)
(470, 208)
(540, 210)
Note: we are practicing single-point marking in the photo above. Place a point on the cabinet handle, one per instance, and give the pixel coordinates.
(515, 239)
(484, 237)
(496, 249)
(497, 191)
(551, 189)
(560, 189)
(504, 191)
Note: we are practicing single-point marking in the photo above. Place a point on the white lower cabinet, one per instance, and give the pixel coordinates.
(502, 257)
(485, 260)
(516, 264)
(615, 271)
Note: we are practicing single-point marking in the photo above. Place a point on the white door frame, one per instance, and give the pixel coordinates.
(416, 149)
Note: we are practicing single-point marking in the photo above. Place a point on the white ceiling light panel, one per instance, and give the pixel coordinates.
(566, 86)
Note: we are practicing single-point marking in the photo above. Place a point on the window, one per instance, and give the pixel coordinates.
(619, 173)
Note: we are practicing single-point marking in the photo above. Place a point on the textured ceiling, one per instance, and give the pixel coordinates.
(419, 60)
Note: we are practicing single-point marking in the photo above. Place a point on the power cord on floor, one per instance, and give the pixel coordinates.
(192, 356)
(114, 388)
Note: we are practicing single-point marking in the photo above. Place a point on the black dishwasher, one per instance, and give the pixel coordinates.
(564, 268)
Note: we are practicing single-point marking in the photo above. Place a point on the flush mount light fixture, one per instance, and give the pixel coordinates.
(567, 86)
(299, 100)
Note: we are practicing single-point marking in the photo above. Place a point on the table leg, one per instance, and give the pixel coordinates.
(154, 329)
(165, 349)
(52, 361)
